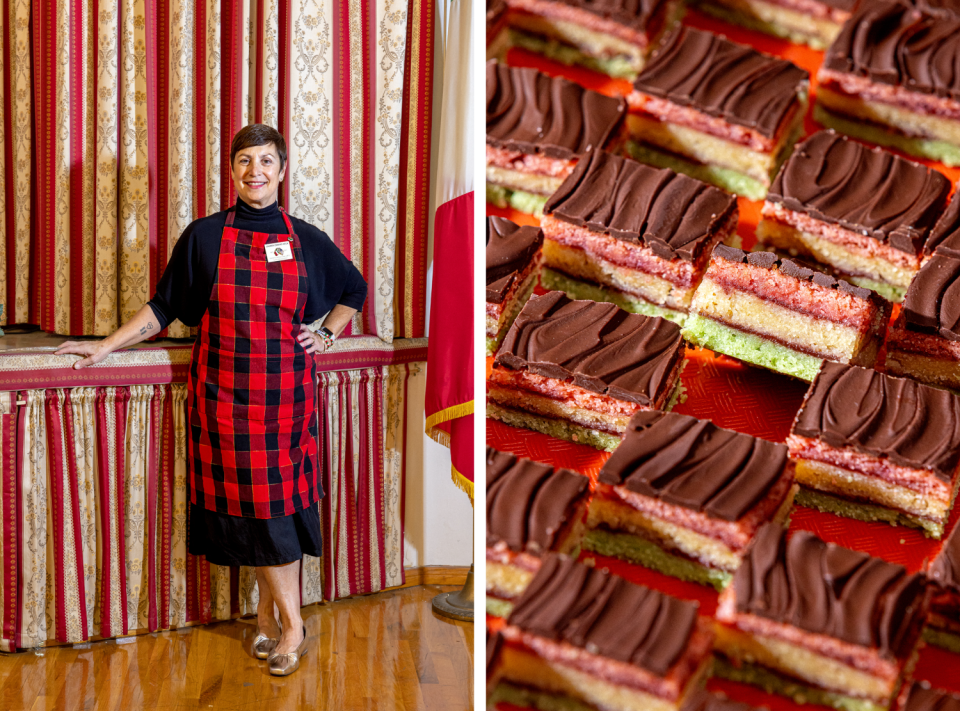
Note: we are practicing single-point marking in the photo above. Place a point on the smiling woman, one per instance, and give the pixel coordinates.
(251, 278)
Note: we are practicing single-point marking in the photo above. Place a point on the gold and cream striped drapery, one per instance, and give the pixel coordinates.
(117, 117)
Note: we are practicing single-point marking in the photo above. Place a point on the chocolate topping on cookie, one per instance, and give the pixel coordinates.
(602, 348)
(932, 304)
(913, 425)
(672, 214)
(528, 503)
(695, 464)
(723, 79)
(825, 589)
(510, 248)
(922, 697)
(533, 113)
(605, 615)
(945, 568)
(867, 190)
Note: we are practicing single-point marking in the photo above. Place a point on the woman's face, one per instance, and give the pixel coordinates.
(257, 174)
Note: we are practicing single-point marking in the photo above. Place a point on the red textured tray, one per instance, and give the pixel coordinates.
(735, 396)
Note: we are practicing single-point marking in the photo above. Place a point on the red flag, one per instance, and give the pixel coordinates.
(449, 397)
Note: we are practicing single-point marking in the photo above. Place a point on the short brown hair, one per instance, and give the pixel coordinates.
(258, 134)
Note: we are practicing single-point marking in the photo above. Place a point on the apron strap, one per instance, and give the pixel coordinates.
(286, 219)
(231, 213)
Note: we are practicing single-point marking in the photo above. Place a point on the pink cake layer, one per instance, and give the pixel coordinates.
(501, 553)
(899, 338)
(495, 310)
(678, 272)
(534, 163)
(585, 18)
(918, 480)
(864, 659)
(795, 294)
(669, 687)
(863, 244)
(734, 534)
(862, 88)
(665, 110)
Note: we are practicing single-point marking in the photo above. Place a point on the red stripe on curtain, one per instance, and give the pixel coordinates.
(259, 46)
(78, 203)
(121, 400)
(21, 435)
(153, 468)
(377, 436)
(74, 481)
(231, 54)
(348, 484)
(369, 175)
(424, 98)
(9, 489)
(362, 495)
(7, 117)
(403, 475)
(158, 134)
(45, 141)
(341, 126)
(285, 50)
(168, 448)
(200, 108)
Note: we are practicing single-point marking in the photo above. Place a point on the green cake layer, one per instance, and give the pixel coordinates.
(749, 348)
(519, 200)
(755, 23)
(773, 683)
(724, 178)
(525, 697)
(636, 549)
(574, 288)
(561, 429)
(942, 151)
(498, 607)
(942, 638)
(618, 67)
(861, 511)
(887, 291)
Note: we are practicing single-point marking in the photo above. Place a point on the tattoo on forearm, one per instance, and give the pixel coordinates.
(148, 327)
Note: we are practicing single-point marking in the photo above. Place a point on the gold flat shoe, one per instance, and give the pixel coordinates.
(288, 663)
(263, 645)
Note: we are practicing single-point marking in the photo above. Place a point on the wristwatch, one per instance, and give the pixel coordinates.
(327, 335)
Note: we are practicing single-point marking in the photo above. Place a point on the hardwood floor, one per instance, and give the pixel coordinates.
(380, 652)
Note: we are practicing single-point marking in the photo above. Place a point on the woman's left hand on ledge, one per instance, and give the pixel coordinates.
(91, 350)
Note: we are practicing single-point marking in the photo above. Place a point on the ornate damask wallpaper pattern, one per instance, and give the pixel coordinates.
(116, 122)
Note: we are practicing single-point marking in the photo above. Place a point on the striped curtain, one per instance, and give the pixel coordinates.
(117, 117)
(93, 508)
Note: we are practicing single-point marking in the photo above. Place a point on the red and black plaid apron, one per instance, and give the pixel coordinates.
(253, 419)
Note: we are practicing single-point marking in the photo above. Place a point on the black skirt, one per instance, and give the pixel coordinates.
(238, 540)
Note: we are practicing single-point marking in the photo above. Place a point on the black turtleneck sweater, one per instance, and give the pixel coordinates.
(185, 287)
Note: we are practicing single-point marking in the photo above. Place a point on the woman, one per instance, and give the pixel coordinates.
(251, 278)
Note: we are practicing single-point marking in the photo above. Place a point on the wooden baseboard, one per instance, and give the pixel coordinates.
(436, 575)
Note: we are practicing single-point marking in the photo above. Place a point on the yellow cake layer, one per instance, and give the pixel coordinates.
(540, 405)
(596, 44)
(903, 120)
(934, 371)
(784, 237)
(499, 46)
(702, 147)
(620, 517)
(528, 182)
(527, 669)
(800, 663)
(736, 308)
(819, 31)
(507, 581)
(589, 267)
(848, 484)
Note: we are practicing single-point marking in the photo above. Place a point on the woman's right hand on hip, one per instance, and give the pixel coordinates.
(92, 351)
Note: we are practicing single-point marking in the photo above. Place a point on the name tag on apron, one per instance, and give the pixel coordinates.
(278, 251)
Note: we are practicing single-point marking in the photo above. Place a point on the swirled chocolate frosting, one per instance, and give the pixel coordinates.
(892, 43)
(910, 424)
(531, 112)
(792, 268)
(598, 346)
(825, 589)
(866, 190)
(945, 237)
(510, 248)
(932, 304)
(528, 503)
(923, 697)
(943, 8)
(945, 568)
(702, 700)
(723, 79)
(672, 214)
(695, 464)
(605, 615)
